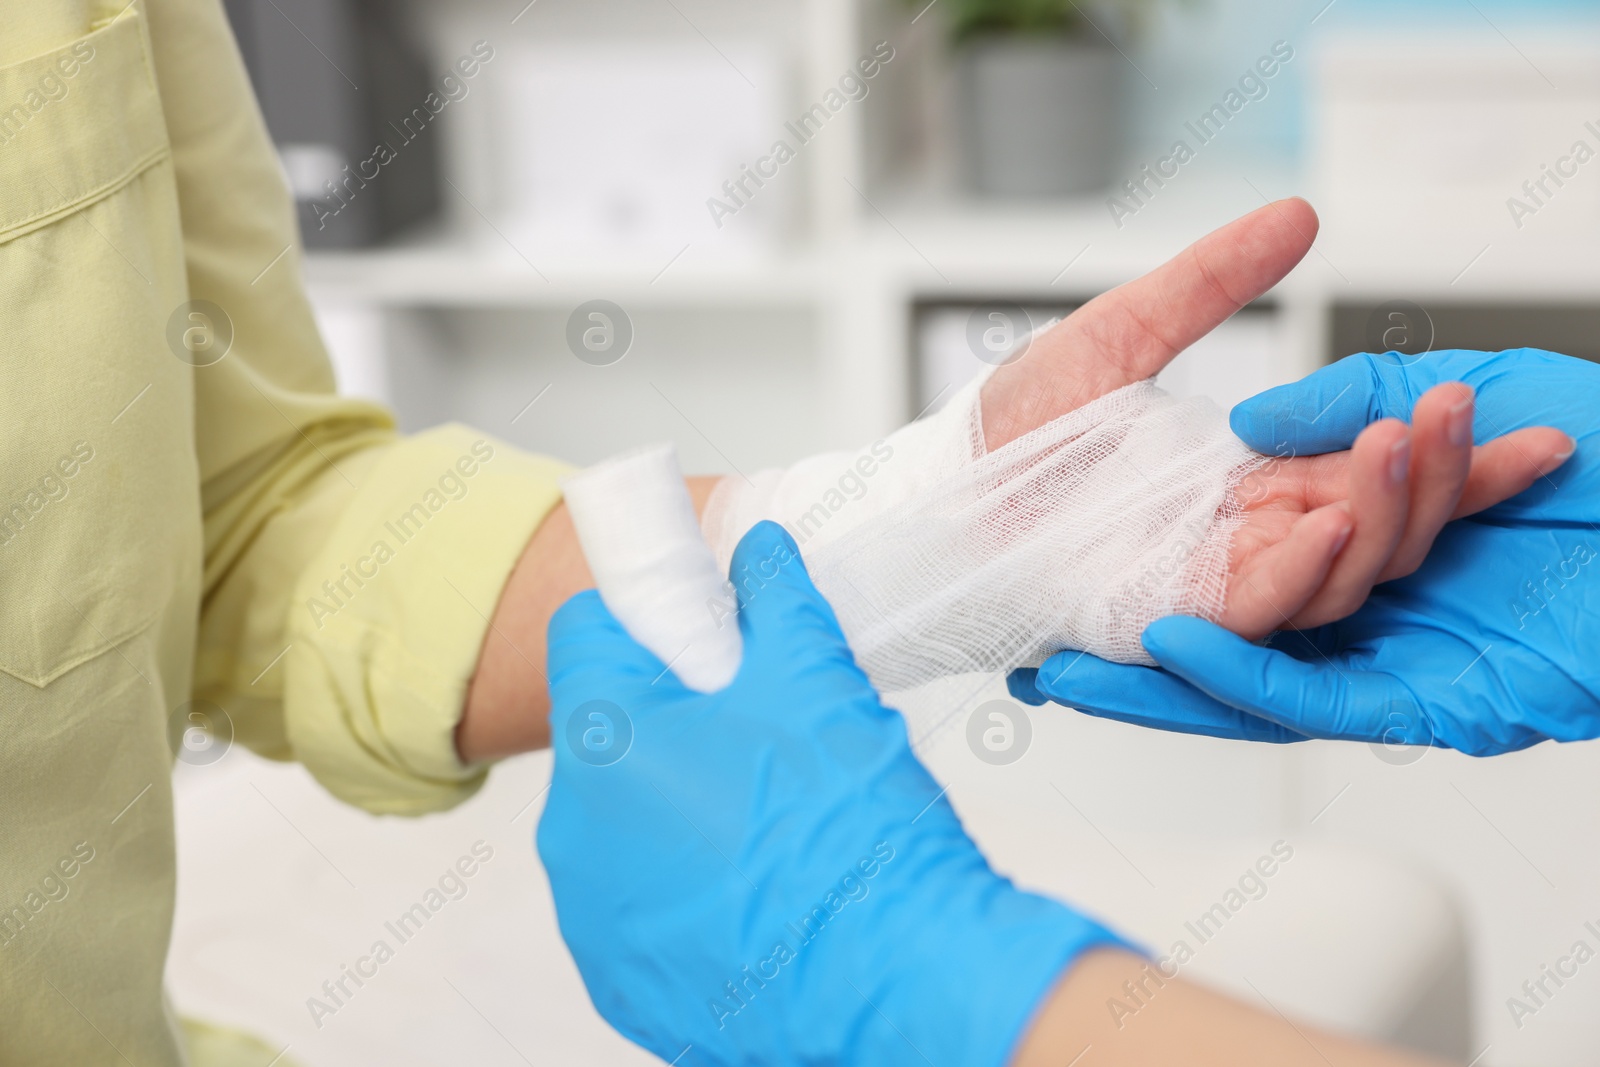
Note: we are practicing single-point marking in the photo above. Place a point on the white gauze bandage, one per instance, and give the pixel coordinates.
(942, 559)
(653, 568)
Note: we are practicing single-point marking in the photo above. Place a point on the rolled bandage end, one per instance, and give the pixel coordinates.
(652, 565)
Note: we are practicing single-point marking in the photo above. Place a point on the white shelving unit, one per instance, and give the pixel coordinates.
(860, 258)
(872, 238)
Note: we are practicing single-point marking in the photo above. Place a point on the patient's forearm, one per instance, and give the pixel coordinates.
(1177, 1024)
(508, 702)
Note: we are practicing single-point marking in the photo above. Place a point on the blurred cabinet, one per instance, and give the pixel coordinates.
(349, 105)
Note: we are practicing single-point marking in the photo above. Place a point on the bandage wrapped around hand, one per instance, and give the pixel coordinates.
(942, 558)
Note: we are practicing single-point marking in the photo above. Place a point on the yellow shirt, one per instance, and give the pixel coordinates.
(178, 534)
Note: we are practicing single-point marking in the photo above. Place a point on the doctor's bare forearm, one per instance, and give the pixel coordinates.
(1114, 1009)
(508, 702)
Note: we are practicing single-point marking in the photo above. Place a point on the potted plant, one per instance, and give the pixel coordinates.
(1038, 85)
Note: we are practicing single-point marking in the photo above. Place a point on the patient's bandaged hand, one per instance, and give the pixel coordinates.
(941, 558)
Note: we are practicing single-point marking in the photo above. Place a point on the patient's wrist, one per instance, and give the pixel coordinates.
(508, 702)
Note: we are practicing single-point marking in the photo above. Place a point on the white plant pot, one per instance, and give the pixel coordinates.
(1040, 117)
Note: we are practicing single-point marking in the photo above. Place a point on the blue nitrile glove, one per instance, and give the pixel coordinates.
(766, 874)
(1492, 645)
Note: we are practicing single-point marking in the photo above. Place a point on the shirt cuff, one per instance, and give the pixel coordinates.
(389, 617)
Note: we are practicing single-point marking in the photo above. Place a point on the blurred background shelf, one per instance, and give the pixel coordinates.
(446, 269)
(952, 247)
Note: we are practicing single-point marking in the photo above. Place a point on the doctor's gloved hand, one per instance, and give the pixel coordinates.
(766, 874)
(1492, 645)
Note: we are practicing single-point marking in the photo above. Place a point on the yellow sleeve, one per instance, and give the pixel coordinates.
(349, 571)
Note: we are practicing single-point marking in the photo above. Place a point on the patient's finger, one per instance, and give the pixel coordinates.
(1278, 582)
(1131, 332)
(1441, 459)
(1500, 469)
(1380, 500)
(1507, 465)
(1142, 325)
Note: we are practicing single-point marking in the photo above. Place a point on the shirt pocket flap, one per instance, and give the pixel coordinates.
(87, 510)
(76, 123)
